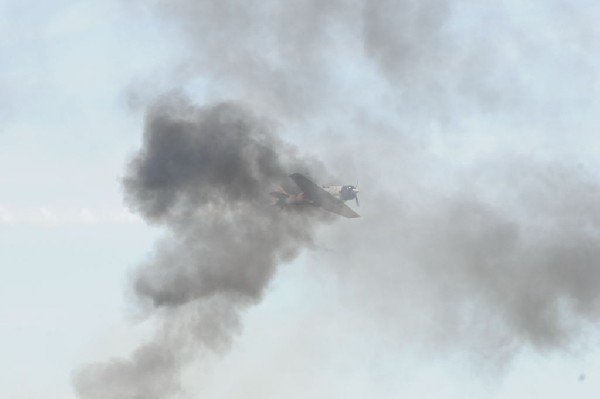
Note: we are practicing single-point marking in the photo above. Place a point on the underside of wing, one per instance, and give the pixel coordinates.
(322, 198)
(341, 209)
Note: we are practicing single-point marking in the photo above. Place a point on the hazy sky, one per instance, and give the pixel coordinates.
(471, 130)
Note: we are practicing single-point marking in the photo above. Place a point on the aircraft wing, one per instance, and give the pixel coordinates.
(322, 198)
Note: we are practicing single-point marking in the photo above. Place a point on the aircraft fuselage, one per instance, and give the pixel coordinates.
(330, 198)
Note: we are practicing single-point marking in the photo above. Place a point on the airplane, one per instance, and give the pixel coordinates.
(331, 198)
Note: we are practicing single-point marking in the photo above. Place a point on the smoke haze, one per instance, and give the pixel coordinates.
(478, 231)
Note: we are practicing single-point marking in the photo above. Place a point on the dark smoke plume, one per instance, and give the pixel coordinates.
(205, 173)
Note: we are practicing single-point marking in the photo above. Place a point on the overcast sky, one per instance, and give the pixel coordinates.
(472, 131)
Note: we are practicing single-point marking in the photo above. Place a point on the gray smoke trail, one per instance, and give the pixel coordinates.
(205, 173)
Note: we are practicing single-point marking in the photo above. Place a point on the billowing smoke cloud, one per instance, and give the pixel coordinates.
(467, 252)
(508, 262)
(205, 173)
